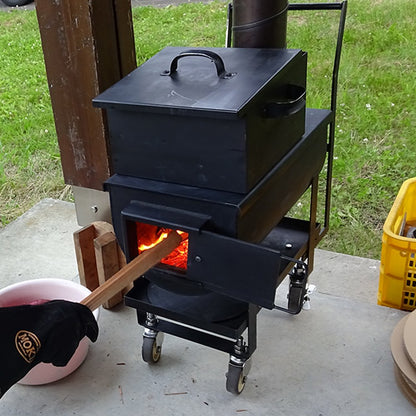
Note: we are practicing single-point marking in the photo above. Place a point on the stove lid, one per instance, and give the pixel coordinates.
(181, 79)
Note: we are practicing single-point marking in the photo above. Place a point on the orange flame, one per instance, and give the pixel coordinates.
(149, 235)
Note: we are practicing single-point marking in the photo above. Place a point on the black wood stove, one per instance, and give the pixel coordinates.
(217, 144)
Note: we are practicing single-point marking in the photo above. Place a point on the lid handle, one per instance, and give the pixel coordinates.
(212, 56)
(290, 100)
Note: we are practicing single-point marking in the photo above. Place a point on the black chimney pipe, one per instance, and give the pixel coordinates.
(259, 23)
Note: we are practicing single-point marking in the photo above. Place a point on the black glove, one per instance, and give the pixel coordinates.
(48, 333)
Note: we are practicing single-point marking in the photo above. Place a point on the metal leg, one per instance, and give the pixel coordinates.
(313, 230)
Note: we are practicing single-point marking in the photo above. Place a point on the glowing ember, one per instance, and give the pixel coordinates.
(150, 235)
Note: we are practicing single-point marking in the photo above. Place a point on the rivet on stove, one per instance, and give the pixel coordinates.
(288, 245)
(198, 259)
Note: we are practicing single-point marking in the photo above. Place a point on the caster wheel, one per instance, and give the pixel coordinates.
(295, 299)
(151, 351)
(236, 380)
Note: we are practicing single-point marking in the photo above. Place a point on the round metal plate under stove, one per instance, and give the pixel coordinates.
(210, 307)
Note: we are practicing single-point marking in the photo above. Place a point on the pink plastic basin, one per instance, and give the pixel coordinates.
(32, 291)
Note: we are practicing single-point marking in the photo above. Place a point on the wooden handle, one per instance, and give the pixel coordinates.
(132, 271)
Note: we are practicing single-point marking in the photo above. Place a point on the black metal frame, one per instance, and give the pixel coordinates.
(342, 6)
(316, 231)
(225, 335)
(296, 261)
(315, 238)
(221, 336)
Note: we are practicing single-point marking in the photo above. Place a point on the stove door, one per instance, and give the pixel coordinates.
(225, 265)
(241, 270)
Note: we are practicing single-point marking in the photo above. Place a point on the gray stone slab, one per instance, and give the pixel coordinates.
(332, 359)
(39, 244)
(346, 276)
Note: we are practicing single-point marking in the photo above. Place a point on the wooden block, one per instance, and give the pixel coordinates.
(102, 227)
(85, 253)
(108, 263)
(99, 257)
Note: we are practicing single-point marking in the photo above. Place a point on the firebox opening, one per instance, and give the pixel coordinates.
(149, 235)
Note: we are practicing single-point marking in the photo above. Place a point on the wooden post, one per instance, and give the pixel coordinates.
(88, 45)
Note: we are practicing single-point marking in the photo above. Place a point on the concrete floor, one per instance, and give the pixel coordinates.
(331, 360)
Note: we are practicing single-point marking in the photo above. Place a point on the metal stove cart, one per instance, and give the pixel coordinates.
(217, 144)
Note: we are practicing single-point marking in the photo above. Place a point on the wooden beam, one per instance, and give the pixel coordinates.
(88, 45)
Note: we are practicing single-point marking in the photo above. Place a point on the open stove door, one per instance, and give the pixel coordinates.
(241, 270)
(225, 265)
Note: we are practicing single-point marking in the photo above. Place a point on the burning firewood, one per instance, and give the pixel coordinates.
(132, 271)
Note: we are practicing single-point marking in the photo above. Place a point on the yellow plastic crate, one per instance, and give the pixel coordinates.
(397, 284)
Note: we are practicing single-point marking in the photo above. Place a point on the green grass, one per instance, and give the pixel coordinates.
(374, 130)
(29, 155)
(375, 126)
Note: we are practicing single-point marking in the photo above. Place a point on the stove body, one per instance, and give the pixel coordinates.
(219, 149)
(226, 230)
(241, 247)
(217, 118)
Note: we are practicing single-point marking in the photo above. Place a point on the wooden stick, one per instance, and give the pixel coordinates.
(132, 271)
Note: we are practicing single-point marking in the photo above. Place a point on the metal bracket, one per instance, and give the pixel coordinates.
(156, 335)
(241, 363)
(91, 205)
